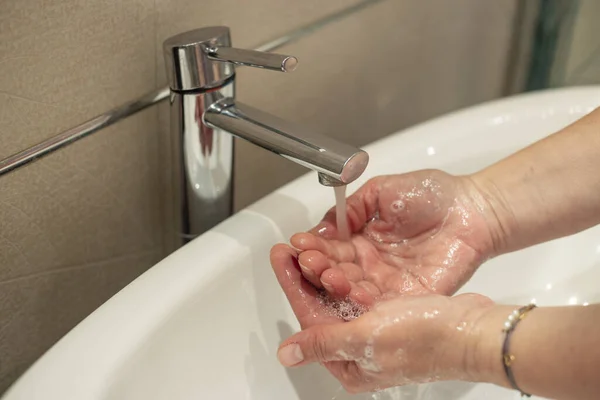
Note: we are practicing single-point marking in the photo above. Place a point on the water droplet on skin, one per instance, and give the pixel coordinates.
(461, 327)
(406, 286)
(375, 216)
(343, 355)
(368, 365)
(397, 206)
(428, 315)
(400, 353)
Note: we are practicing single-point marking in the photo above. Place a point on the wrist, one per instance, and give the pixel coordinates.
(484, 349)
(492, 203)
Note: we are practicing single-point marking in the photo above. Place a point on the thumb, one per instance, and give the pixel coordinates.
(321, 343)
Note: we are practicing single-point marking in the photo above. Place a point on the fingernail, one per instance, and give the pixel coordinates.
(290, 355)
(327, 286)
(306, 270)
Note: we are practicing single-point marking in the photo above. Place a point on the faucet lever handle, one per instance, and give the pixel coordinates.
(252, 58)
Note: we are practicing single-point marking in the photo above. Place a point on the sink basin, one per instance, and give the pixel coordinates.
(205, 322)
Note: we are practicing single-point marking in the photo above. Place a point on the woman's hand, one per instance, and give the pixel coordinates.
(406, 340)
(417, 233)
(412, 339)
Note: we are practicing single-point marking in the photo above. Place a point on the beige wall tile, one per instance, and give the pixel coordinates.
(97, 199)
(38, 310)
(63, 62)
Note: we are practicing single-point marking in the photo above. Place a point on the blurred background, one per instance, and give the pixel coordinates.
(80, 224)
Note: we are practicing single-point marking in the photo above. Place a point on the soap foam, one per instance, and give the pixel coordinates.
(344, 309)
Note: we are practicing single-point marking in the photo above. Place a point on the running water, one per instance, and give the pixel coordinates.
(340, 212)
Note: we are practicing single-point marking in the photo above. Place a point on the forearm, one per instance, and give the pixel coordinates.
(556, 349)
(548, 190)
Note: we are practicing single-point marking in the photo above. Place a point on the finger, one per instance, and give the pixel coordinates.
(323, 343)
(370, 289)
(359, 295)
(335, 282)
(301, 295)
(336, 250)
(313, 263)
(352, 271)
(350, 376)
(354, 381)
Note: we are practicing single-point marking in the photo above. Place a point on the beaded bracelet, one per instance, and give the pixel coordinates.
(507, 359)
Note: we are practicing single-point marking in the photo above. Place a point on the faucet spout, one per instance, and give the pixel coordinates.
(204, 115)
(337, 163)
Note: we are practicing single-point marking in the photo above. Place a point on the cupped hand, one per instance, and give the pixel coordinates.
(406, 340)
(418, 233)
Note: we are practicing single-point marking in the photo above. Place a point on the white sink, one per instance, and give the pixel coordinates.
(205, 322)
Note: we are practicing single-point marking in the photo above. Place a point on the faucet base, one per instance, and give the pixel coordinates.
(205, 163)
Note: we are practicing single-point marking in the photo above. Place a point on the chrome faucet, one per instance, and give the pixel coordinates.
(204, 115)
